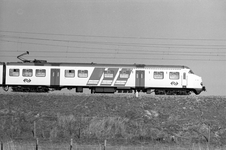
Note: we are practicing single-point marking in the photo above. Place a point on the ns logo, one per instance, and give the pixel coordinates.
(27, 80)
(174, 83)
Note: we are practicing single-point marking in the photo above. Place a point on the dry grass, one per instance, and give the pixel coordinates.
(122, 120)
(107, 127)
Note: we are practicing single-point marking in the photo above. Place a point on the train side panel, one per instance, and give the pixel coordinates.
(163, 78)
(75, 76)
(130, 82)
(97, 77)
(27, 75)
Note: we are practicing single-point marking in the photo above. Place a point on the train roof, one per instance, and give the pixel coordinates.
(96, 65)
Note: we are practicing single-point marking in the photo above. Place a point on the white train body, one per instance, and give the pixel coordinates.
(1, 74)
(100, 78)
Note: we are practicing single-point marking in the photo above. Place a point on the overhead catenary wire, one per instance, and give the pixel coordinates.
(116, 56)
(57, 45)
(126, 53)
(126, 58)
(111, 37)
(111, 43)
(119, 50)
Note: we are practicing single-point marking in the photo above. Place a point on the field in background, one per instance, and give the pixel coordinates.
(122, 120)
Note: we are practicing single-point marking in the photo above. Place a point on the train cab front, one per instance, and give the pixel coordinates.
(203, 87)
(200, 88)
(196, 83)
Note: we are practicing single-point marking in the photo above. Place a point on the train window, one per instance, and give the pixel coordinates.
(70, 73)
(158, 75)
(83, 73)
(174, 75)
(124, 74)
(109, 74)
(40, 73)
(27, 72)
(14, 72)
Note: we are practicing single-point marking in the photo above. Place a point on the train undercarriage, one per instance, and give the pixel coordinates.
(45, 89)
(35, 89)
(172, 92)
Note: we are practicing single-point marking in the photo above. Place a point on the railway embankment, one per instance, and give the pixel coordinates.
(121, 119)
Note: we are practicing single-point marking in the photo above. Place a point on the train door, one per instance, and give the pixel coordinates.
(55, 77)
(140, 77)
(184, 80)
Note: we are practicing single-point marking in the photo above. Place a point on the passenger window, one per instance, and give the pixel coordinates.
(109, 74)
(174, 75)
(70, 73)
(40, 73)
(83, 73)
(27, 72)
(14, 72)
(124, 74)
(158, 75)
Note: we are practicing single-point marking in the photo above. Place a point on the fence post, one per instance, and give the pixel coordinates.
(105, 144)
(34, 129)
(1, 146)
(36, 146)
(71, 144)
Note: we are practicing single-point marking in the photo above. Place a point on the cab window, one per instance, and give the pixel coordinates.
(174, 75)
(27, 72)
(14, 72)
(191, 72)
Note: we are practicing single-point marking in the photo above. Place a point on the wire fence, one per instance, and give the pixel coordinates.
(48, 145)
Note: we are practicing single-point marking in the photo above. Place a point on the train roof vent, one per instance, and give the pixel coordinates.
(140, 65)
(39, 61)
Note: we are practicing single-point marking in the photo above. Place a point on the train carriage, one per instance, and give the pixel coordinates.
(102, 78)
(41, 76)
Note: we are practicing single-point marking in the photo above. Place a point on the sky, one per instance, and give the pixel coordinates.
(159, 32)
